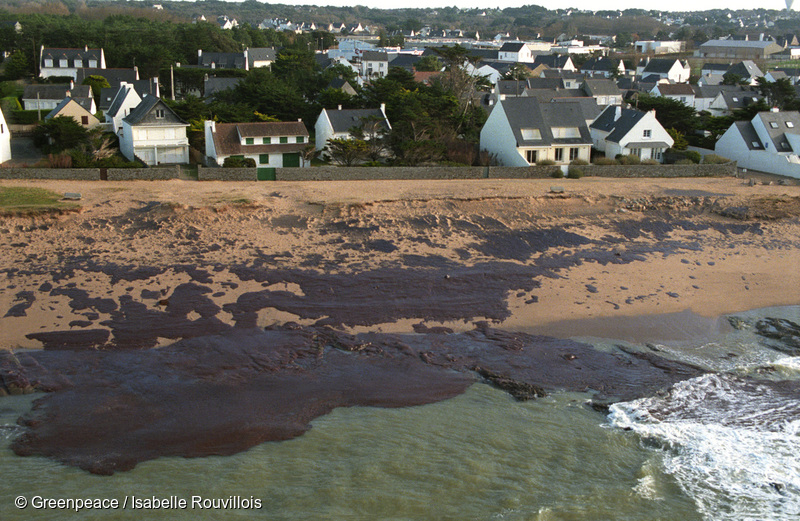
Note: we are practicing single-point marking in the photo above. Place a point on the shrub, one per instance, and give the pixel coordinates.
(692, 155)
(628, 160)
(579, 162)
(605, 161)
(650, 162)
(545, 162)
(26, 117)
(575, 172)
(239, 162)
(557, 174)
(714, 159)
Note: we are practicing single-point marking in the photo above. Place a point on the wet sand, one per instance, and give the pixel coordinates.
(276, 302)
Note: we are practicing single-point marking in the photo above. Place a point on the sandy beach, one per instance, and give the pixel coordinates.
(402, 274)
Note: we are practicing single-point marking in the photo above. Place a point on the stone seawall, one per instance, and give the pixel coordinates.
(160, 173)
(225, 174)
(77, 174)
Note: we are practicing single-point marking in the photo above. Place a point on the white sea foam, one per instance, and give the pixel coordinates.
(731, 444)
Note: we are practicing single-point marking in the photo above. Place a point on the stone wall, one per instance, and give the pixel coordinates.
(78, 174)
(725, 170)
(225, 174)
(157, 173)
(332, 173)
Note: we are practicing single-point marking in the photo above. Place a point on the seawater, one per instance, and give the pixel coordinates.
(482, 456)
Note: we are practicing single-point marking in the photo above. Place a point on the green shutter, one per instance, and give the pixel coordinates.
(263, 159)
(291, 160)
(284, 139)
(249, 141)
(266, 141)
(300, 139)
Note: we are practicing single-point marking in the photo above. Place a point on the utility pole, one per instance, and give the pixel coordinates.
(172, 81)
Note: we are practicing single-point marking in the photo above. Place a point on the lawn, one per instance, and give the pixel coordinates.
(18, 200)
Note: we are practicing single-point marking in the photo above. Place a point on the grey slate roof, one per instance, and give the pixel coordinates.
(222, 60)
(752, 44)
(141, 114)
(531, 113)
(406, 61)
(554, 94)
(600, 65)
(212, 86)
(344, 120)
(721, 68)
(106, 98)
(589, 106)
(617, 128)
(260, 54)
(57, 54)
(45, 92)
(658, 66)
(512, 47)
(374, 56)
(116, 104)
(745, 69)
(748, 133)
(601, 87)
(740, 99)
(778, 124)
(554, 61)
(114, 76)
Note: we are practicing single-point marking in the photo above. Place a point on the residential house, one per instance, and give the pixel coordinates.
(342, 85)
(747, 71)
(258, 57)
(674, 70)
(729, 100)
(47, 97)
(5, 140)
(682, 92)
(126, 99)
(715, 68)
(556, 62)
(620, 131)
(221, 60)
(153, 133)
(72, 109)
(738, 49)
(604, 91)
(374, 64)
(710, 80)
(336, 124)
(659, 47)
(67, 62)
(516, 52)
(770, 142)
(114, 76)
(212, 86)
(605, 67)
(571, 79)
(523, 131)
(269, 144)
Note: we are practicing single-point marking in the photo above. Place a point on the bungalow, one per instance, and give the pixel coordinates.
(72, 109)
(153, 133)
(269, 144)
(260, 57)
(523, 131)
(630, 132)
(336, 124)
(770, 142)
(67, 62)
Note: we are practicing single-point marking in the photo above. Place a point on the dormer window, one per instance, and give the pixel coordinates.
(92, 64)
(78, 62)
(159, 113)
(249, 141)
(565, 132)
(48, 62)
(62, 63)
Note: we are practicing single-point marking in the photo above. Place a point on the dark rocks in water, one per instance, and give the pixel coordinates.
(786, 332)
(521, 391)
(221, 394)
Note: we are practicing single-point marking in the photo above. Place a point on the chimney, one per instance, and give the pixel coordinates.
(340, 108)
(71, 86)
(299, 120)
(617, 112)
(85, 48)
(383, 107)
(775, 109)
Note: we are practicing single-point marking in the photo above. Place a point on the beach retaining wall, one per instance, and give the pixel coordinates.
(77, 174)
(225, 174)
(159, 173)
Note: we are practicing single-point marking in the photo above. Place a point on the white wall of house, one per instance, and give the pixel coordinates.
(131, 101)
(5, 140)
(733, 146)
(323, 130)
(498, 139)
(154, 145)
(36, 104)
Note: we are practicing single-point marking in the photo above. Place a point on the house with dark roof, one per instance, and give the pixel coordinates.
(47, 97)
(629, 132)
(154, 134)
(671, 69)
(559, 62)
(374, 64)
(682, 92)
(126, 99)
(770, 142)
(72, 109)
(115, 77)
(222, 60)
(523, 131)
(214, 85)
(514, 52)
(747, 71)
(604, 91)
(260, 57)
(270, 144)
(337, 124)
(729, 100)
(66, 62)
(603, 66)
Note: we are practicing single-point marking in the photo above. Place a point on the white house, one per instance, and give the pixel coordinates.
(673, 70)
(125, 100)
(770, 142)
(659, 47)
(66, 62)
(5, 140)
(269, 144)
(374, 64)
(522, 131)
(515, 52)
(47, 97)
(336, 124)
(682, 92)
(630, 132)
(154, 133)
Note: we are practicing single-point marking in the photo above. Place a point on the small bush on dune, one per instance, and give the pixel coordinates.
(605, 161)
(579, 162)
(714, 159)
(545, 162)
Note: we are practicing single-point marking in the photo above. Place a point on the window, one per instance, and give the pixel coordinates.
(266, 141)
(789, 124)
(658, 153)
(573, 153)
(559, 154)
(300, 139)
(249, 141)
(263, 159)
(92, 64)
(48, 62)
(636, 152)
(84, 120)
(773, 124)
(160, 113)
(530, 156)
(284, 139)
(565, 132)
(62, 63)
(2, 129)
(78, 62)
(647, 133)
(735, 99)
(530, 133)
